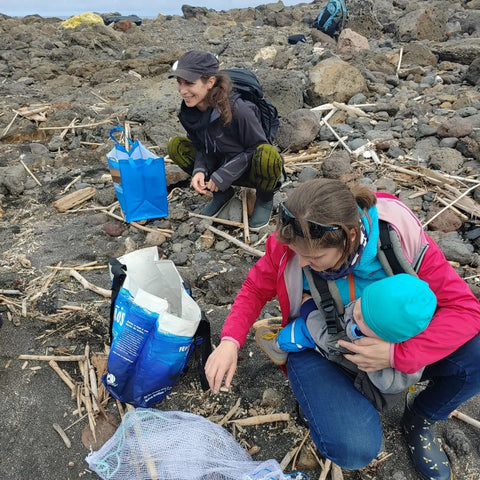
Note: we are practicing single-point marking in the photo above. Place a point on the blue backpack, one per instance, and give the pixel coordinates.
(332, 18)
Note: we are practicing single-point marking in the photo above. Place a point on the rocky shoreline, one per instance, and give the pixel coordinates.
(394, 103)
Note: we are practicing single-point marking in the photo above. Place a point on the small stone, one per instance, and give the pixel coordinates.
(114, 229)
(271, 398)
(458, 441)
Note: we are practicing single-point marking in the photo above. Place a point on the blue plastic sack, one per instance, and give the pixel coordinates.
(153, 330)
(139, 180)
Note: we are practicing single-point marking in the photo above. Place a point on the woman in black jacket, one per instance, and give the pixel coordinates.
(226, 143)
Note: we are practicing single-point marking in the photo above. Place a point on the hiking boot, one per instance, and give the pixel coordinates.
(261, 214)
(267, 341)
(219, 199)
(427, 455)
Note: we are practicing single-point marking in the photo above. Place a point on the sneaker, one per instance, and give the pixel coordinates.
(267, 341)
(427, 455)
(218, 200)
(261, 214)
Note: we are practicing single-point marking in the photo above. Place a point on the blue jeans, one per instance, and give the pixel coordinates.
(346, 427)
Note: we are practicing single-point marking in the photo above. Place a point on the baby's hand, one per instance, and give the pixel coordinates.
(305, 297)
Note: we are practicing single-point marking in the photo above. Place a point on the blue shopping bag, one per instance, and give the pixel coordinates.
(139, 179)
(155, 327)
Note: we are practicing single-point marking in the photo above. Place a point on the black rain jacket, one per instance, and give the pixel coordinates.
(224, 153)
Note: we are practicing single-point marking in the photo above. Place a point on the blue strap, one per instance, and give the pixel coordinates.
(118, 128)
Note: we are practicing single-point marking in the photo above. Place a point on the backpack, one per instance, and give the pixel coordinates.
(247, 85)
(332, 18)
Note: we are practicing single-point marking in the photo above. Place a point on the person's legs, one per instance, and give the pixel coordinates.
(453, 380)
(266, 168)
(264, 175)
(343, 424)
(182, 152)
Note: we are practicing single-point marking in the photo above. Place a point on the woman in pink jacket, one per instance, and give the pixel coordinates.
(333, 231)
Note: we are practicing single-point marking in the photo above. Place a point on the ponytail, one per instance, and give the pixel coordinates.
(219, 97)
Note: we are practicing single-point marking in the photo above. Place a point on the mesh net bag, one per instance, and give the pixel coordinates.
(152, 444)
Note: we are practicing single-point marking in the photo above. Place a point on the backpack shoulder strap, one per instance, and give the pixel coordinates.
(202, 349)
(119, 273)
(323, 300)
(390, 252)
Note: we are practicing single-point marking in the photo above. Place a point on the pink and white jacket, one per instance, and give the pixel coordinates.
(278, 273)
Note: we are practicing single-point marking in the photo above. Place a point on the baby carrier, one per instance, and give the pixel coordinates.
(394, 260)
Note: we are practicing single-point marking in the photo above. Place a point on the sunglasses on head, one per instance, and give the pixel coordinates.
(317, 230)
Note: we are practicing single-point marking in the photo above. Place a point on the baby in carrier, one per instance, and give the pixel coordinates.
(394, 309)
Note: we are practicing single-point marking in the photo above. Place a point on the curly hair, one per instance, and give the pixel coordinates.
(219, 96)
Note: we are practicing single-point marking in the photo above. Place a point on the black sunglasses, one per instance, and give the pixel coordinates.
(317, 230)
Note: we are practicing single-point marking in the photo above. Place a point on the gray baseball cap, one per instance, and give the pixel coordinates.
(195, 64)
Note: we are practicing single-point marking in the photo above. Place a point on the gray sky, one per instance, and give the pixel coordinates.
(142, 8)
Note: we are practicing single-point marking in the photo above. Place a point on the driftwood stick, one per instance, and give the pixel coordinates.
(163, 231)
(147, 456)
(268, 322)
(25, 112)
(337, 136)
(353, 110)
(72, 308)
(299, 449)
(64, 132)
(413, 173)
(400, 55)
(74, 199)
(314, 453)
(93, 385)
(10, 292)
(336, 472)
(287, 458)
(323, 475)
(90, 286)
(62, 375)
(96, 267)
(87, 125)
(86, 391)
(62, 434)
(30, 173)
(246, 228)
(79, 402)
(55, 358)
(260, 419)
(240, 244)
(75, 180)
(465, 418)
(329, 106)
(452, 208)
(466, 192)
(230, 413)
(7, 128)
(217, 220)
(75, 422)
(302, 158)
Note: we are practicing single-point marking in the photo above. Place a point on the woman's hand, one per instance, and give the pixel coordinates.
(198, 183)
(212, 186)
(368, 353)
(221, 364)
